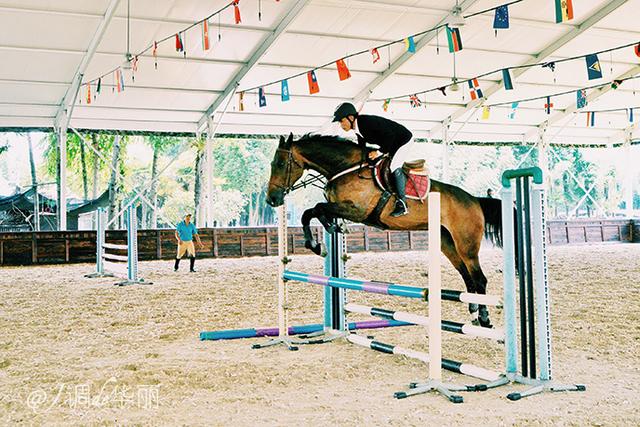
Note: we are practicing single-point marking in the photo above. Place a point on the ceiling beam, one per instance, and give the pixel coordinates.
(406, 56)
(66, 104)
(293, 11)
(544, 53)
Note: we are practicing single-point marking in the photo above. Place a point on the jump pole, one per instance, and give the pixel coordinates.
(530, 226)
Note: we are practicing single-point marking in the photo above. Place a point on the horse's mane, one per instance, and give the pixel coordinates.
(323, 138)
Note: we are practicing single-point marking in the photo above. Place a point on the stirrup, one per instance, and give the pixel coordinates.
(396, 212)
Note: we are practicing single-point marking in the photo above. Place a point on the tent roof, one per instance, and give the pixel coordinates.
(44, 43)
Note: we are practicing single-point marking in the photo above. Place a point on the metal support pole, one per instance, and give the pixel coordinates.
(62, 165)
(445, 149)
(209, 172)
(628, 176)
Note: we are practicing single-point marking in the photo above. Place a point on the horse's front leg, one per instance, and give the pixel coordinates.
(309, 240)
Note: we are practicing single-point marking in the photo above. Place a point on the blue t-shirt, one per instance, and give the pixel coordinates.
(185, 231)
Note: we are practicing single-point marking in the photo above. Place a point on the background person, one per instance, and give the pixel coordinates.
(185, 232)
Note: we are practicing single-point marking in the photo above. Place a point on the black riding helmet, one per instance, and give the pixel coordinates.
(345, 109)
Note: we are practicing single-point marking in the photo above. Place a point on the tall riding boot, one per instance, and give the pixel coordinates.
(175, 267)
(400, 179)
(192, 263)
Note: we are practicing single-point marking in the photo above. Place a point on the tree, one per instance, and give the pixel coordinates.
(34, 186)
(160, 145)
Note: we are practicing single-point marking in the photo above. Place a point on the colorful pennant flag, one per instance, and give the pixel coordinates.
(119, 80)
(501, 19)
(564, 10)
(313, 82)
(205, 34)
(616, 84)
(179, 45)
(593, 66)
(343, 71)
(262, 99)
(236, 11)
(99, 87)
(443, 89)
(506, 79)
(581, 98)
(549, 105)
(89, 93)
(155, 54)
(415, 101)
(241, 101)
(630, 115)
(454, 39)
(474, 89)
(410, 45)
(486, 112)
(591, 119)
(514, 108)
(637, 49)
(385, 104)
(550, 65)
(284, 93)
(375, 54)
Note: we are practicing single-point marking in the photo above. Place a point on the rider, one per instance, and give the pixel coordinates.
(386, 134)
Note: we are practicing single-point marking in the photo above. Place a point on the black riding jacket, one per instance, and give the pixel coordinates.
(385, 133)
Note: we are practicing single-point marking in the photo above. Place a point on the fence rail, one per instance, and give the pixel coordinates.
(59, 247)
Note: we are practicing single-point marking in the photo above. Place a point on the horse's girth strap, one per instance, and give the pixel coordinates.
(374, 217)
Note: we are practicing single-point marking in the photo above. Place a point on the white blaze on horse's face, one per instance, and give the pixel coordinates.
(285, 171)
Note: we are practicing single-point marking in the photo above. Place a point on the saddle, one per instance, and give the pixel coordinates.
(418, 182)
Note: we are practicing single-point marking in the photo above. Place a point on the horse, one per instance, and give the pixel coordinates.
(352, 194)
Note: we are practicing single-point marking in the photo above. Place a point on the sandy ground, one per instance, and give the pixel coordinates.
(81, 351)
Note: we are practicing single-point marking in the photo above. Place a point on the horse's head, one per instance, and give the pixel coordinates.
(285, 171)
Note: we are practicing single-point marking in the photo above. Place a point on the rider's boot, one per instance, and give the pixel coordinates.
(400, 179)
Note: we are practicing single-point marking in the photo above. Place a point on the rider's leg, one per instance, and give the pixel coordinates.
(400, 179)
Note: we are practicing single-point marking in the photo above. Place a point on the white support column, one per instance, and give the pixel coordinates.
(543, 157)
(209, 172)
(628, 173)
(283, 321)
(62, 165)
(435, 309)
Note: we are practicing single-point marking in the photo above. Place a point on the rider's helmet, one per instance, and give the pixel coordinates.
(345, 109)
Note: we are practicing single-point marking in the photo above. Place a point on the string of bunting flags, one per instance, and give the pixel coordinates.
(180, 42)
(581, 102)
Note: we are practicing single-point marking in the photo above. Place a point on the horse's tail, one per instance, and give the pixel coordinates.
(492, 210)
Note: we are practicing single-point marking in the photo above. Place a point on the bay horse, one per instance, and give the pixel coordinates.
(352, 194)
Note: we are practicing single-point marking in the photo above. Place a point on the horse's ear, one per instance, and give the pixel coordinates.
(290, 139)
(281, 140)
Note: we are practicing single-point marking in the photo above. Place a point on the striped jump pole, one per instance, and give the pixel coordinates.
(390, 288)
(525, 229)
(449, 365)
(416, 319)
(233, 334)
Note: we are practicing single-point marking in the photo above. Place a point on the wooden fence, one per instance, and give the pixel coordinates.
(57, 247)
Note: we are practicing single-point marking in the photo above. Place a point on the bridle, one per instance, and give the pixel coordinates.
(289, 186)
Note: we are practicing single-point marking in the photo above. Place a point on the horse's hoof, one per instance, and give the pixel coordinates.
(486, 323)
(316, 249)
(333, 228)
(475, 322)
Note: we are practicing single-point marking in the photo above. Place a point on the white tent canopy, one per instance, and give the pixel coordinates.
(46, 46)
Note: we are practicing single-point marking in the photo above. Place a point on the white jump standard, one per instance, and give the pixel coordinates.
(113, 265)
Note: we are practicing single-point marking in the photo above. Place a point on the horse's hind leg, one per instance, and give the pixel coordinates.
(309, 241)
(449, 250)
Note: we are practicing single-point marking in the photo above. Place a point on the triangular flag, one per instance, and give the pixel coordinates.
(549, 105)
(630, 115)
(486, 112)
(514, 107)
(410, 45)
(385, 105)
(593, 66)
(454, 39)
(343, 71)
(205, 34)
(637, 49)
(155, 54)
(506, 79)
(591, 119)
(443, 89)
(118, 78)
(581, 98)
(474, 89)
(375, 54)
(284, 95)
(564, 10)
(99, 87)
(501, 18)
(241, 101)
(616, 84)
(89, 93)
(313, 82)
(236, 11)
(179, 45)
(415, 101)
(262, 99)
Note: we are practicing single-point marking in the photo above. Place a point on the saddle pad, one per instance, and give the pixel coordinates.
(417, 186)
